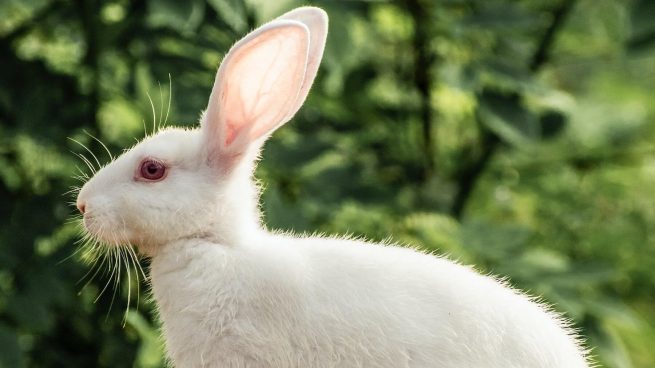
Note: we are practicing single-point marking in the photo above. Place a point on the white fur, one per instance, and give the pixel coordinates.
(231, 294)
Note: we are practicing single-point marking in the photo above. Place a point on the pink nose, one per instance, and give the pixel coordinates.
(81, 207)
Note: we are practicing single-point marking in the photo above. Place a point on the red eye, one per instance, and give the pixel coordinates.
(152, 170)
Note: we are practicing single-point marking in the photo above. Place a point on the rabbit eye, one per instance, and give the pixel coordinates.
(152, 170)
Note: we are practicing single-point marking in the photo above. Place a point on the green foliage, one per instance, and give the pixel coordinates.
(515, 136)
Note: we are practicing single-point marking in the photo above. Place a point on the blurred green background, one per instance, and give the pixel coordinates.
(518, 136)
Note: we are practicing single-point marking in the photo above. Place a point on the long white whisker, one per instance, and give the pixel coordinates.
(145, 131)
(88, 150)
(73, 190)
(97, 256)
(136, 260)
(137, 268)
(72, 220)
(75, 220)
(111, 157)
(161, 106)
(75, 253)
(86, 161)
(154, 114)
(129, 283)
(116, 278)
(112, 265)
(90, 245)
(81, 176)
(170, 94)
(81, 173)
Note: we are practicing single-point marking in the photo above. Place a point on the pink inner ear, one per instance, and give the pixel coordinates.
(261, 83)
(231, 132)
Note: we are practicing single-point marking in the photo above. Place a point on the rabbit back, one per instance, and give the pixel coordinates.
(324, 302)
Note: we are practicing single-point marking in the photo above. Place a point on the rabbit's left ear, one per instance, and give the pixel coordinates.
(316, 21)
(263, 81)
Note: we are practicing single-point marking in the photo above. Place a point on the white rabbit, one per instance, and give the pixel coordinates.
(231, 294)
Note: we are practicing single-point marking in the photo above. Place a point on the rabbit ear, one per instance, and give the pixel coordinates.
(260, 85)
(316, 21)
(256, 86)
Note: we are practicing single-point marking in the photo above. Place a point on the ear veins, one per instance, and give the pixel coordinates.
(231, 132)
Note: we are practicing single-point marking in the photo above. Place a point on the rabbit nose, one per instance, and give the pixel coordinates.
(81, 207)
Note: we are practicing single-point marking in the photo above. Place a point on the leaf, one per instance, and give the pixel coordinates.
(502, 72)
(151, 352)
(10, 354)
(182, 16)
(16, 12)
(32, 306)
(552, 123)
(120, 121)
(231, 12)
(505, 115)
(353, 218)
(434, 232)
(642, 37)
(543, 259)
(495, 242)
(510, 17)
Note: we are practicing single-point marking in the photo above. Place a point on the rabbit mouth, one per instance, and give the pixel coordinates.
(113, 234)
(101, 230)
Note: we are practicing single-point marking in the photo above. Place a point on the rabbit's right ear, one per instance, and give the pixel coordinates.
(262, 82)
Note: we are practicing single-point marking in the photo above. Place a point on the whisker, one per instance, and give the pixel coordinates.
(110, 257)
(161, 106)
(87, 148)
(76, 252)
(116, 277)
(136, 260)
(145, 131)
(137, 269)
(111, 157)
(97, 255)
(112, 266)
(81, 172)
(86, 161)
(154, 114)
(73, 190)
(95, 268)
(129, 283)
(71, 221)
(170, 94)
(75, 220)
(81, 175)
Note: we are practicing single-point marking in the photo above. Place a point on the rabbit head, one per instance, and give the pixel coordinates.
(181, 183)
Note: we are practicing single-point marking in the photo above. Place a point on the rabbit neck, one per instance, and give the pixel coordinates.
(238, 218)
(183, 274)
